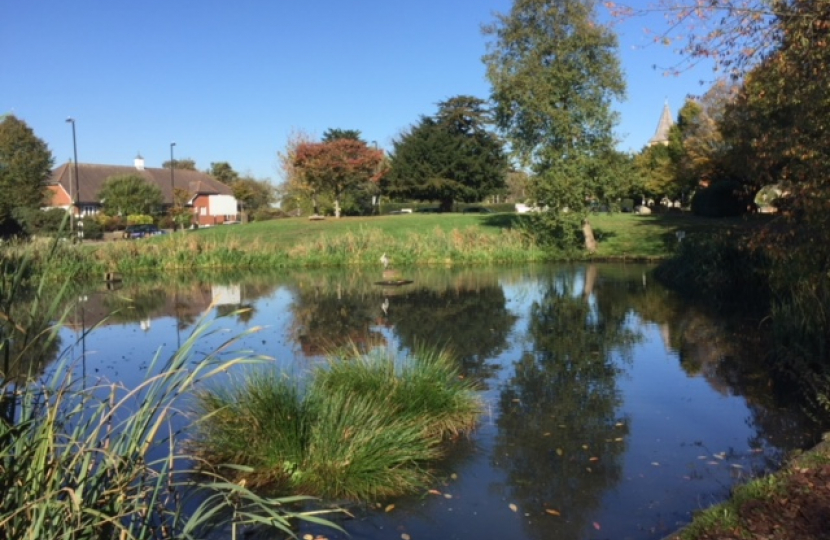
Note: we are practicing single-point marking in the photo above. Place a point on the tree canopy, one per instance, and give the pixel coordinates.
(25, 166)
(223, 172)
(130, 194)
(554, 72)
(185, 164)
(335, 167)
(449, 157)
(333, 134)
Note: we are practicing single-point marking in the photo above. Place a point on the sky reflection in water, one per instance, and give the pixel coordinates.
(613, 409)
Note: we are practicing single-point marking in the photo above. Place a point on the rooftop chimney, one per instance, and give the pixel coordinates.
(139, 162)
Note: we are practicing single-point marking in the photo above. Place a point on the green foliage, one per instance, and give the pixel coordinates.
(253, 194)
(25, 166)
(364, 427)
(139, 219)
(721, 199)
(448, 158)
(333, 134)
(186, 164)
(267, 214)
(555, 72)
(92, 228)
(86, 461)
(42, 222)
(223, 172)
(123, 195)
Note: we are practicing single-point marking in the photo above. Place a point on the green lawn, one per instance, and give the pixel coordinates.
(620, 235)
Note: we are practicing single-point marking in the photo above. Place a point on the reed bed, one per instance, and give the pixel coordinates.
(91, 460)
(363, 427)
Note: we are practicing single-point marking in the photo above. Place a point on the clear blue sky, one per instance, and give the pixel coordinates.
(230, 80)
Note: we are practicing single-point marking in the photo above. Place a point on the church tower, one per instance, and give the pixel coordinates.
(661, 135)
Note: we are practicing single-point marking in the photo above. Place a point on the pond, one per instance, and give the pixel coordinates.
(613, 409)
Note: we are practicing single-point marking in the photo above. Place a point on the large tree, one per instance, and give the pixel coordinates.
(450, 157)
(554, 72)
(130, 194)
(337, 166)
(25, 166)
(253, 194)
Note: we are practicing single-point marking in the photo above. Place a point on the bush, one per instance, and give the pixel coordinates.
(34, 221)
(721, 199)
(92, 229)
(267, 214)
(110, 223)
(139, 219)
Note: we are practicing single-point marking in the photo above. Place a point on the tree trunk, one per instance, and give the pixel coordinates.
(314, 203)
(590, 241)
(337, 206)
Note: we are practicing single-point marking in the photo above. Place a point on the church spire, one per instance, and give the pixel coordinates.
(661, 135)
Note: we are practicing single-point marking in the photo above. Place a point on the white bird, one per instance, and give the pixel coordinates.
(384, 260)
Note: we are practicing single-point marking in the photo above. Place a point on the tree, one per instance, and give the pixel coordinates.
(554, 72)
(295, 192)
(185, 164)
(130, 194)
(451, 157)
(25, 166)
(336, 166)
(333, 134)
(253, 194)
(223, 172)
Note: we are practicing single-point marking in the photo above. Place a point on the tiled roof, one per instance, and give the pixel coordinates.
(91, 179)
(661, 135)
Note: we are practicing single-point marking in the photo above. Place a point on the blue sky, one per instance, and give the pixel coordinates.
(230, 80)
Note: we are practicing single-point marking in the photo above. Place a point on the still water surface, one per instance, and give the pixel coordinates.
(613, 409)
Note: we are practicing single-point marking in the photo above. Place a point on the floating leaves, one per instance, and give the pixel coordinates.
(389, 508)
(552, 512)
(513, 507)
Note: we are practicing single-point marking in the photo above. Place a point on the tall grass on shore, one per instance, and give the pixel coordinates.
(364, 427)
(80, 460)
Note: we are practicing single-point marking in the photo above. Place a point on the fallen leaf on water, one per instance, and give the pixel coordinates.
(619, 439)
(552, 512)
(434, 492)
(546, 434)
(390, 507)
(454, 476)
(513, 507)
(737, 466)
(584, 446)
(447, 496)
(596, 526)
(405, 536)
(619, 424)
(701, 457)
(713, 462)
(308, 537)
(588, 469)
(593, 459)
(655, 463)
(559, 452)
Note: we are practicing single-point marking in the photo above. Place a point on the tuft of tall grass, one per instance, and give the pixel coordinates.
(94, 461)
(362, 427)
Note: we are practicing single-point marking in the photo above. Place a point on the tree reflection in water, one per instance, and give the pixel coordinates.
(560, 439)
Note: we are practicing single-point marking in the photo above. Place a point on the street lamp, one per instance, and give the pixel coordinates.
(172, 188)
(75, 155)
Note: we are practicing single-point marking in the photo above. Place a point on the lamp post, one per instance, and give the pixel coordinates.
(75, 197)
(172, 188)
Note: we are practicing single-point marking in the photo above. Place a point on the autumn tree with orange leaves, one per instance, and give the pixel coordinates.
(336, 167)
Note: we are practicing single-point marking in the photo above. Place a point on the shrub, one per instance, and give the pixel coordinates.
(267, 214)
(92, 228)
(139, 219)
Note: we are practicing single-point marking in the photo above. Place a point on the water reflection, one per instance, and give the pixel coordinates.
(611, 403)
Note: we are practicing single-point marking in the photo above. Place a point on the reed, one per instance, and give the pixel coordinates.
(93, 461)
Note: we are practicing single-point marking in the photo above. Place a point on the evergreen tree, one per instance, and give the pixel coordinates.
(25, 166)
(451, 157)
(554, 71)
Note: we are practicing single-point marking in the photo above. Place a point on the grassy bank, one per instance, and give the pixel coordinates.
(407, 240)
(362, 428)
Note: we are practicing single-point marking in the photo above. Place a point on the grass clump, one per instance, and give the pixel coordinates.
(362, 427)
